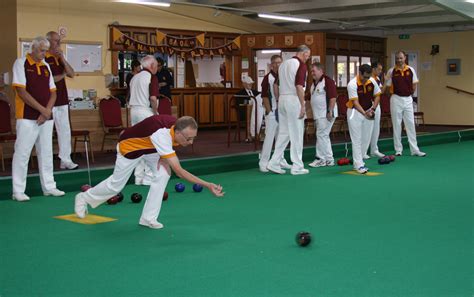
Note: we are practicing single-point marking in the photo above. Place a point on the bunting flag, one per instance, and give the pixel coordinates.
(183, 46)
(116, 34)
(200, 38)
(236, 41)
(159, 37)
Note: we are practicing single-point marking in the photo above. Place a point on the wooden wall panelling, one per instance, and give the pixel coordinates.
(189, 104)
(204, 108)
(253, 42)
(219, 108)
(367, 46)
(176, 101)
(355, 45)
(379, 47)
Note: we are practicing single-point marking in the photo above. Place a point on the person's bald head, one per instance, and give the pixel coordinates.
(54, 40)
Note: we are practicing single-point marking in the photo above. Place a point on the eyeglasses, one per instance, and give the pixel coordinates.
(188, 139)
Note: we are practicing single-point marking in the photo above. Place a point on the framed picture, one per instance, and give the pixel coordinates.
(453, 66)
(261, 73)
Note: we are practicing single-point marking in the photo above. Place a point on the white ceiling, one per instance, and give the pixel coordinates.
(368, 17)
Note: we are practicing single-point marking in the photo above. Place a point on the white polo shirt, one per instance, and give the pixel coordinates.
(321, 92)
(142, 86)
(291, 73)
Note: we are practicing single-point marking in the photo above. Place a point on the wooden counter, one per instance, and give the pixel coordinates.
(207, 105)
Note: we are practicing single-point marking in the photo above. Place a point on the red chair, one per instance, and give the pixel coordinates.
(341, 120)
(385, 116)
(6, 133)
(111, 116)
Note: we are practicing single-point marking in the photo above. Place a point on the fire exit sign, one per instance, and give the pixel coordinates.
(404, 36)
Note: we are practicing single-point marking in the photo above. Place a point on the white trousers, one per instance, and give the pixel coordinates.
(374, 138)
(29, 134)
(360, 129)
(271, 131)
(143, 174)
(401, 108)
(117, 181)
(290, 129)
(260, 111)
(63, 129)
(323, 141)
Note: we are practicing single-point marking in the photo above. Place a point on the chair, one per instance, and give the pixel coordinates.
(385, 116)
(81, 136)
(341, 120)
(419, 117)
(6, 133)
(234, 108)
(111, 117)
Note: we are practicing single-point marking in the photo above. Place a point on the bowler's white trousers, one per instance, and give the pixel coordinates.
(360, 129)
(290, 129)
(374, 138)
(117, 181)
(63, 129)
(29, 134)
(401, 108)
(143, 174)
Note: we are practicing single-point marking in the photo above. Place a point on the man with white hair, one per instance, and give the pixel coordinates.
(60, 69)
(144, 92)
(35, 98)
(291, 112)
(254, 96)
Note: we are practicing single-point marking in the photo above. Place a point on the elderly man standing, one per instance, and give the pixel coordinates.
(144, 92)
(35, 98)
(402, 81)
(291, 112)
(60, 68)
(323, 104)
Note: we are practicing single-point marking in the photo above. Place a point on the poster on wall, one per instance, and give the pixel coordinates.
(25, 48)
(84, 57)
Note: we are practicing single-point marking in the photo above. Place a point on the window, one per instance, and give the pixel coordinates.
(345, 69)
(353, 67)
(341, 71)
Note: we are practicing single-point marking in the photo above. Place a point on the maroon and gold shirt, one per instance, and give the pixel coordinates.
(36, 78)
(139, 139)
(402, 80)
(57, 68)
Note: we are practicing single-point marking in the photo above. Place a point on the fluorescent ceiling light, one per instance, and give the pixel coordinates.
(470, 1)
(146, 2)
(273, 51)
(283, 18)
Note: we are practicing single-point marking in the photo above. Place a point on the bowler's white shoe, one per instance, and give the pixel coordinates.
(80, 206)
(153, 225)
(54, 192)
(300, 171)
(68, 165)
(419, 154)
(284, 164)
(275, 169)
(378, 154)
(20, 197)
(318, 163)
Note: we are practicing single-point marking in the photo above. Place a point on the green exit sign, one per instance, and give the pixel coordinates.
(404, 36)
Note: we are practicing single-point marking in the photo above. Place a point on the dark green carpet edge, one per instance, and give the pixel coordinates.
(70, 181)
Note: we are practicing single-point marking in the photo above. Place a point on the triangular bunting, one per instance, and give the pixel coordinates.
(200, 38)
(159, 37)
(236, 41)
(116, 34)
